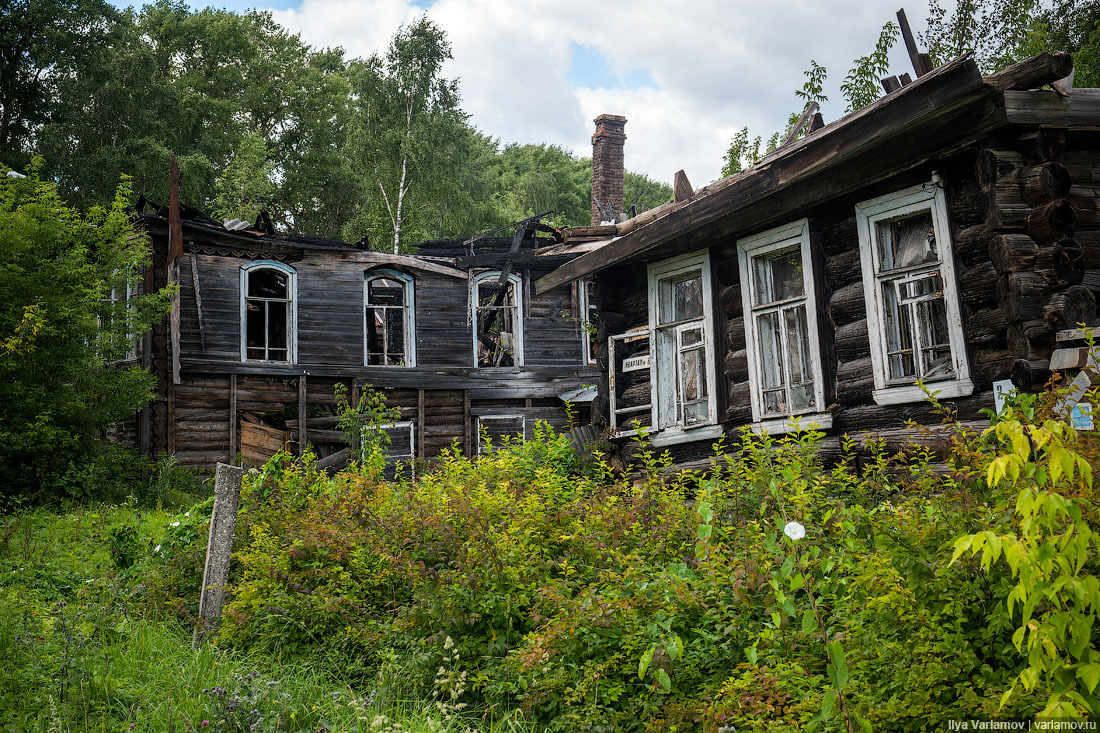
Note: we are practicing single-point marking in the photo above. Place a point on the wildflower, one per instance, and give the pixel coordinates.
(187, 514)
(174, 524)
(794, 530)
(156, 549)
(206, 722)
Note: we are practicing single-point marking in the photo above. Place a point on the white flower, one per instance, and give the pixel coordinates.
(187, 514)
(794, 530)
(156, 549)
(174, 524)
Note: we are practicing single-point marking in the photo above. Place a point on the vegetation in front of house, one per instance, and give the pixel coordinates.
(776, 594)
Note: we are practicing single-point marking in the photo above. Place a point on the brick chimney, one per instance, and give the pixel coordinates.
(607, 166)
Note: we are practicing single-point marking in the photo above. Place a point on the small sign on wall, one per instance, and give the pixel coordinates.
(1001, 391)
(636, 363)
(1081, 416)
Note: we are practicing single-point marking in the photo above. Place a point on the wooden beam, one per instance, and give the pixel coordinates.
(890, 84)
(803, 119)
(921, 63)
(420, 424)
(1032, 73)
(951, 100)
(302, 427)
(467, 447)
(817, 122)
(905, 79)
(682, 186)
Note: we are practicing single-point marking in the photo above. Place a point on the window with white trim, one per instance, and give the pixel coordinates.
(498, 320)
(779, 295)
(493, 429)
(389, 334)
(268, 314)
(586, 309)
(123, 296)
(682, 320)
(914, 319)
(402, 435)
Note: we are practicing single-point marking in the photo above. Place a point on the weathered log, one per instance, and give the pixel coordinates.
(1084, 201)
(1043, 145)
(1022, 295)
(1089, 242)
(987, 365)
(726, 267)
(1044, 183)
(639, 394)
(1050, 222)
(1060, 266)
(730, 300)
(992, 164)
(1003, 206)
(737, 365)
(986, 326)
(850, 341)
(1034, 72)
(978, 285)
(964, 203)
(843, 269)
(1030, 375)
(1012, 252)
(1068, 308)
(854, 381)
(1083, 167)
(1031, 339)
(609, 323)
(971, 245)
(735, 333)
(849, 304)
(739, 411)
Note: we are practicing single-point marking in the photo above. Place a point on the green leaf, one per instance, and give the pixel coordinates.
(752, 654)
(676, 648)
(663, 680)
(962, 544)
(1090, 675)
(838, 666)
(797, 581)
(828, 704)
(787, 566)
(645, 661)
(809, 623)
(706, 512)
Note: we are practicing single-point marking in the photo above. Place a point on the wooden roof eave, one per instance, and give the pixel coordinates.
(937, 96)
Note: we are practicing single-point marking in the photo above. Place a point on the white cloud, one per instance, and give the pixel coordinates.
(717, 65)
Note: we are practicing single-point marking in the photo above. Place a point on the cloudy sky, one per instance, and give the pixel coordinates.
(686, 77)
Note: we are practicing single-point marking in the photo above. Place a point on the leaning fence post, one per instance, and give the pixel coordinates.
(219, 548)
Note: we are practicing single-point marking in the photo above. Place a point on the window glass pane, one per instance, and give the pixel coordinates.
(267, 283)
(907, 242)
(276, 325)
(385, 291)
(254, 326)
(798, 345)
(771, 363)
(693, 381)
(802, 398)
(899, 338)
(935, 342)
(400, 441)
(681, 297)
(778, 276)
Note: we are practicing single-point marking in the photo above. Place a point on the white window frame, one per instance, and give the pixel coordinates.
(489, 418)
(796, 233)
(584, 303)
(517, 290)
(127, 294)
(663, 363)
(401, 424)
(924, 197)
(409, 285)
(292, 310)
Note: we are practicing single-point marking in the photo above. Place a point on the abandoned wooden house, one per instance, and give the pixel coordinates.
(941, 236)
(266, 325)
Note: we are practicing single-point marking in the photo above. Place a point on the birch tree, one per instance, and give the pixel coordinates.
(405, 132)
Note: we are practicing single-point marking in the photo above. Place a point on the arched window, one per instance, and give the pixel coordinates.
(498, 321)
(389, 321)
(268, 314)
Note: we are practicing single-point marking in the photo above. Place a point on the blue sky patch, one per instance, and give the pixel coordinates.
(590, 69)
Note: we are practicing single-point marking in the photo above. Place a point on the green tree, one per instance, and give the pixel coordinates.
(246, 184)
(62, 332)
(407, 132)
(861, 86)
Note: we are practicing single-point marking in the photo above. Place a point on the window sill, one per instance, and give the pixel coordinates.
(674, 436)
(794, 424)
(913, 393)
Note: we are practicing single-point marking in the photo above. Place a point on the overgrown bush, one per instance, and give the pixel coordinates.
(773, 593)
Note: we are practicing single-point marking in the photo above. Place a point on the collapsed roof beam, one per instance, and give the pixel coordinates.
(922, 62)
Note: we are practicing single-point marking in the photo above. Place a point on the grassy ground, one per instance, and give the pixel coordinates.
(82, 652)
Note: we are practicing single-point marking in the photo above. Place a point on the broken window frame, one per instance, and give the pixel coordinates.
(476, 317)
(926, 197)
(408, 309)
(789, 237)
(665, 369)
(586, 316)
(480, 419)
(114, 297)
(291, 317)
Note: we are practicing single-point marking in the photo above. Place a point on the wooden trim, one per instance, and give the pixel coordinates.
(924, 197)
(467, 446)
(302, 427)
(292, 311)
(232, 418)
(782, 237)
(518, 291)
(408, 283)
(420, 424)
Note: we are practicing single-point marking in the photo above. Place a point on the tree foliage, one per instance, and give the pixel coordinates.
(62, 333)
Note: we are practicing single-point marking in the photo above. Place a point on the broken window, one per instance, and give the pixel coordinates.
(497, 321)
(120, 307)
(268, 312)
(680, 311)
(784, 352)
(388, 319)
(492, 430)
(913, 320)
(587, 311)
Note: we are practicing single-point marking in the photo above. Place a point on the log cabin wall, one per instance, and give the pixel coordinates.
(445, 396)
